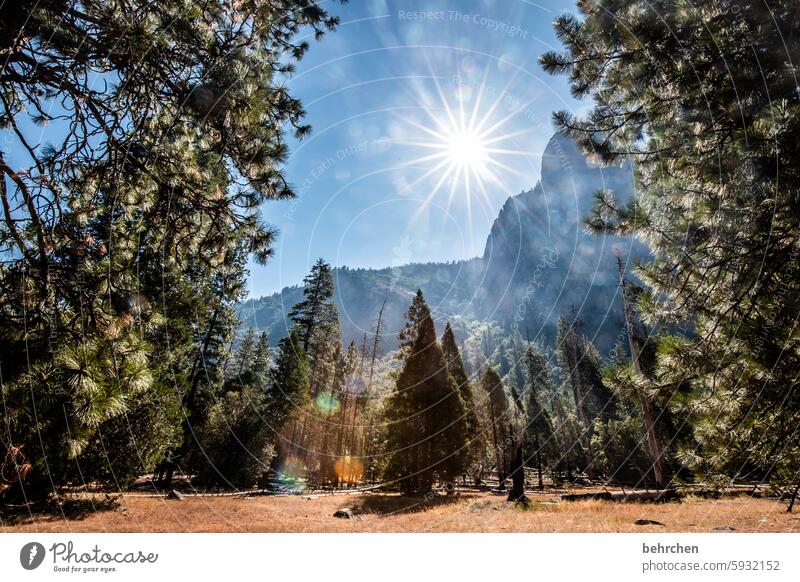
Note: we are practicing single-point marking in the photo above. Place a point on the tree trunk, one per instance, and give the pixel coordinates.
(376, 342)
(793, 499)
(188, 402)
(517, 492)
(539, 464)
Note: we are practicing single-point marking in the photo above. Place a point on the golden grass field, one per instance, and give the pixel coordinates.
(383, 512)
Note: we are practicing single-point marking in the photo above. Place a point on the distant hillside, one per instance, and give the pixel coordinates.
(538, 264)
(448, 288)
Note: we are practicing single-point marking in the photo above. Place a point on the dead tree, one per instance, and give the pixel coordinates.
(376, 346)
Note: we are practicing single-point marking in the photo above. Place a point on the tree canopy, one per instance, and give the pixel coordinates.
(125, 238)
(703, 98)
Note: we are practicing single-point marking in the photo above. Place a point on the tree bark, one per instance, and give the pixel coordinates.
(517, 492)
(539, 463)
(793, 499)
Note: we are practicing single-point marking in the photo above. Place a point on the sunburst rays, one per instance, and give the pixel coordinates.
(463, 142)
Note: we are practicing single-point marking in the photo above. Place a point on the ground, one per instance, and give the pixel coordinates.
(383, 512)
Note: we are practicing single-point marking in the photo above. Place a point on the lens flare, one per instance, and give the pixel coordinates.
(348, 469)
(327, 403)
(291, 473)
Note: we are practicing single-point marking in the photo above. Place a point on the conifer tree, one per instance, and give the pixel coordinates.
(500, 417)
(316, 310)
(716, 203)
(419, 413)
(316, 321)
(244, 355)
(289, 389)
(465, 429)
(582, 370)
(417, 312)
(260, 367)
(570, 435)
(539, 437)
(135, 224)
(249, 364)
(347, 388)
(238, 433)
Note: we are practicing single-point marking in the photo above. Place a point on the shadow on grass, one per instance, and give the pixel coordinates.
(389, 504)
(51, 510)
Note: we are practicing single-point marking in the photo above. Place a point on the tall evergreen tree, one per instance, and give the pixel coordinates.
(317, 307)
(288, 391)
(539, 437)
(582, 370)
(717, 205)
(237, 436)
(249, 364)
(501, 419)
(420, 412)
(316, 321)
(244, 355)
(117, 235)
(348, 388)
(465, 429)
(417, 312)
(260, 367)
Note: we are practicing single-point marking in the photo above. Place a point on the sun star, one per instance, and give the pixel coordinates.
(462, 149)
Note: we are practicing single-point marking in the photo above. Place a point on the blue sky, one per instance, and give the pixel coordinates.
(405, 98)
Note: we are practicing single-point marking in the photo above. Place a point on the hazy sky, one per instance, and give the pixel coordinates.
(426, 116)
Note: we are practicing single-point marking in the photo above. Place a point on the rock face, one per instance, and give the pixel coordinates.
(538, 264)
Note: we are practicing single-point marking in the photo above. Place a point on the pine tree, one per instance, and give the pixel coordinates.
(237, 436)
(646, 400)
(539, 437)
(317, 308)
(245, 354)
(213, 333)
(289, 389)
(716, 203)
(420, 412)
(347, 388)
(316, 321)
(465, 429)
(582, 369)
(500, 417)
(417, 312)
(135, 225)
(365, 407)
(260, 367)
(570, 435)
(249, 364)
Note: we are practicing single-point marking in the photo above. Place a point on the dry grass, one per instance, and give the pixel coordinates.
(466, 512)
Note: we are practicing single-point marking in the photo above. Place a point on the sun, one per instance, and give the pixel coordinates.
(468, 151)
(459, 147)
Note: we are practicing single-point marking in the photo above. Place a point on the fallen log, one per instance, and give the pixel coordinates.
(602, 496)
(631, 497)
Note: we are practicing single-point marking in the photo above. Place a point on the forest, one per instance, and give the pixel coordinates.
(127, 361)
